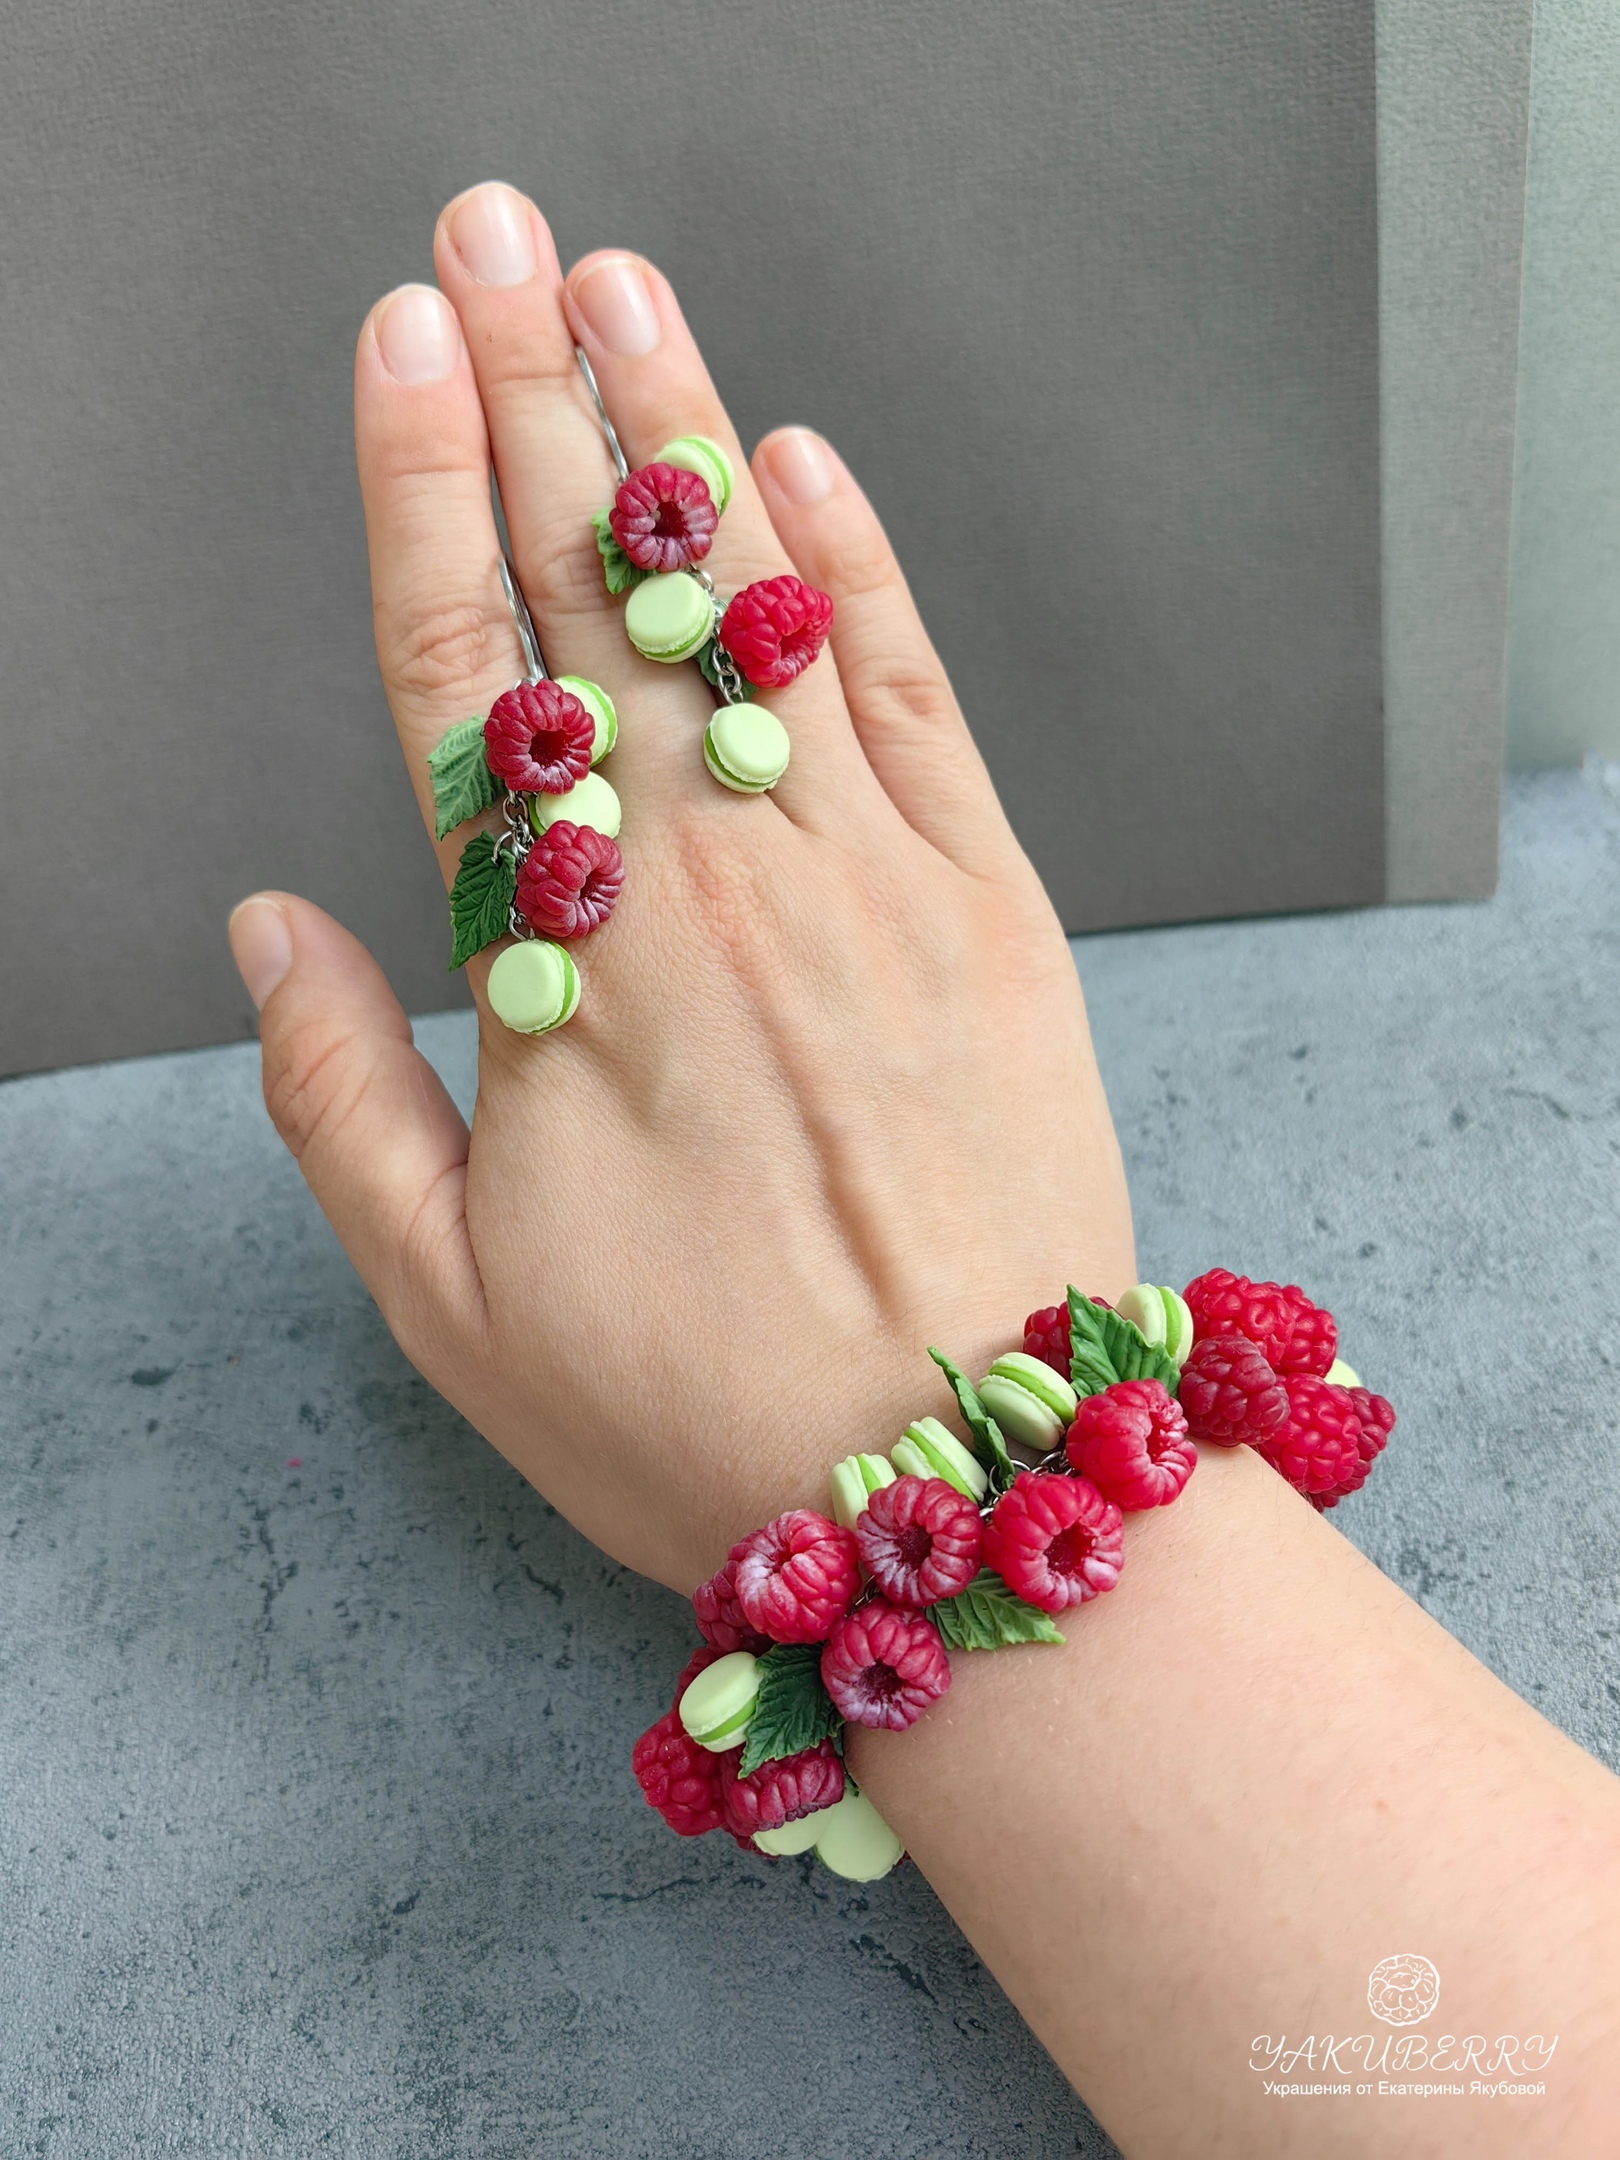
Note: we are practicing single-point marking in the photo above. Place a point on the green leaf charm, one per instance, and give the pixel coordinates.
(792, 1710)
(481, 897)
(618, 571)
(988, 1443)
(1105, 1347)
(462, 782)
(706, 666)
(989, 1616)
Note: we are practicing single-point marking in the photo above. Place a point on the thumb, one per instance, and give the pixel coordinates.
(366, 1117)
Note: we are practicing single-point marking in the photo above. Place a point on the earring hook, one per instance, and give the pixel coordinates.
(534, 664)
(620, 465)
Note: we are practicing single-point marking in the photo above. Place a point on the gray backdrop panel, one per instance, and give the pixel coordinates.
(1086, 293)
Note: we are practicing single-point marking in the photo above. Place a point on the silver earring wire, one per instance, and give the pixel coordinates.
(620, 466)
(533, 661)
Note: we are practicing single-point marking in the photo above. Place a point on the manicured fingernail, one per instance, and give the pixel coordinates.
(261, 946)
(801, 465)
(417, 335)
(492, 232)
(614, 300)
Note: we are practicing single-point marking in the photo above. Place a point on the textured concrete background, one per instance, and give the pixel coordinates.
(1086, 294)
(316, 1828)
(1564, 619)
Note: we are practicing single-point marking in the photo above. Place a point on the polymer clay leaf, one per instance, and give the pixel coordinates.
(462, 783)
(481, 898)
(1105, 1347)
(706, 666)
(618, 571)
(989, 1616)
(792, 1710)
(988, 1443)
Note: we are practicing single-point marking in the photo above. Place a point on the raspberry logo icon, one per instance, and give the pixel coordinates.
(1403, 1990)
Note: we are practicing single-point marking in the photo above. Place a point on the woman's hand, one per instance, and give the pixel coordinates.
(829, 1094)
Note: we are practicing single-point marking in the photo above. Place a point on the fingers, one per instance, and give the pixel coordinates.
(654, 383)
(382, 1146)
(498, 267)
(900, 700)
(445, 642)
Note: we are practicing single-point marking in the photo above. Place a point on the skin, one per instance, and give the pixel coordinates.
(697, 1242)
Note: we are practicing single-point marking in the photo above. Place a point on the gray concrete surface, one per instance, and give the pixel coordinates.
(316, 1834)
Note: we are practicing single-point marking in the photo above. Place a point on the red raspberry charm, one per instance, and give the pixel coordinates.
(1377, 1421)
(1054, 1540)
(1046, 1334)
(720, 1618)
(677, 1777)
(779, 1792)
(796, 1577)
(570, 880)
(919, 1540)
(773, 630)
(1131, 1442)
(1318, 1449)
(883, 1667)
(663, 518)
(538, 739)
(1228, 1392)
(1295, 1335)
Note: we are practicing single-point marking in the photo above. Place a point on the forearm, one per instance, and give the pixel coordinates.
(1252, 1772)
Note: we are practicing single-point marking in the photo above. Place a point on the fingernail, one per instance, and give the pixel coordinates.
(614, 300)
(417, 335)
(261, 946)
(492, 232)
(801, 465)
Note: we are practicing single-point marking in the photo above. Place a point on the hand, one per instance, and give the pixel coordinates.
(829, 1095)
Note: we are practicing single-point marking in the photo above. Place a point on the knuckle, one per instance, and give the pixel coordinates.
(564, 582)
(903, 690)
(312, 1088)
(432, 651)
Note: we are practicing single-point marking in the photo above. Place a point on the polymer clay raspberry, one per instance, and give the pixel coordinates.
(795, 1577)
(1229, 1394)
(663, 518)
(1131, 1441)
(782, 1791)
(1377, 1420)
(1046, 1334)
(678, 1778)
(720, 1618)
(1318, 1447)
(1054, 1540)
(774, 629)
(883, 1667)
(1295, 1335)
(919, 1540)
(570, 880)
(538, 738)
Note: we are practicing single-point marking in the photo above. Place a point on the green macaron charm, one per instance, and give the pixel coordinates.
(1029, 1401)
(533, 986)
(746, 748)
(927, 1449)
(1161, 1316)
(717, 1706)
(592, 801)
(702, 455)
(669, 617)
(601, 709)
(854, 1840)
(854, 1481)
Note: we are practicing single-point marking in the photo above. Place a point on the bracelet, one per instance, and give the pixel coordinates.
(817, 1620)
